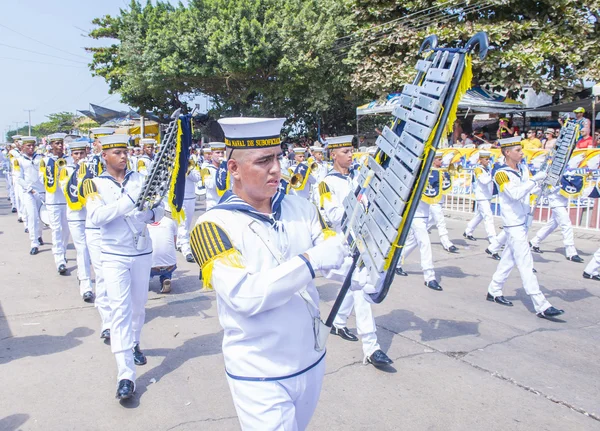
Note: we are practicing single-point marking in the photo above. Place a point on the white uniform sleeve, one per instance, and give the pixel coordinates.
(334, 209)
(101, 213)
(194, 176)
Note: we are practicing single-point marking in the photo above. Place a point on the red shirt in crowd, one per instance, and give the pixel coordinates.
(586, 143)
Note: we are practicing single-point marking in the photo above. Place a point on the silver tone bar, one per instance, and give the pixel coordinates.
(394, 215)
(430, 104)
(387, 228)
(423, 117)
(373, 165)
(413, 144)
(391, 136)
(441, 75)
(411, 90)
(423, 66)
(407, 101)
(401, 190)
(433, 88)
(417, 130)
(375, 232)
(401, 172)
(410, 160)
(401, 112)
(385, 146)
(390, 195)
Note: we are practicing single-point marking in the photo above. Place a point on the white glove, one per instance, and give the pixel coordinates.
(540, 176)
(360, 277)
(328, 254)
(371, 289)
(159, 213)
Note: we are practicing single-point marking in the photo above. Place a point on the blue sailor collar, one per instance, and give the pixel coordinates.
(337, 174)
(232, 202)
(108, 176)
(518, 172)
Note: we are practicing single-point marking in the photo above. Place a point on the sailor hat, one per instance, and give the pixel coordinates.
(57, 137)
(147, 142)
(250, 132)
(484, 154)
(217, 146)
(102, 131)
(316, 149)
(79, 144)
(16, 137)
(339, 142)
(510, 142)
(299, 150)
(28, 139)
(114, 141)
(438, 155)
(206, 150)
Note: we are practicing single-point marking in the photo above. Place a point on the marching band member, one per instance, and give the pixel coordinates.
(514, 186)
(189, 207)
(320, 173)
(558, 199)
(126, 254)
(418, 234)
(299, 156)
(56, 204)
(591, 270)
(133, 159)
(210, 172)
(27, 168)
(436, 212)
(19, 198)
(6, 166)
(306, 180)
(483, 189)
(260, 249)
(145, 160)
(76, 214)
(338, 183)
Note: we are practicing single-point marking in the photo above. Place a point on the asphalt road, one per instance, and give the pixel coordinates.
(461, 363)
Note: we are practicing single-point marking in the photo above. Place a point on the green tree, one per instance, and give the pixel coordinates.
(550, 45)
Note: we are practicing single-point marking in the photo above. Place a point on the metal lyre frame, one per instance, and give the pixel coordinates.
(420, 165)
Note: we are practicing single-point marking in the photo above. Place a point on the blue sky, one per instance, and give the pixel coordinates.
(59, 80)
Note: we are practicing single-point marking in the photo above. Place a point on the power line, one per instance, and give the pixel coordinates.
(42, 62)
(41, 53)
(43, 43)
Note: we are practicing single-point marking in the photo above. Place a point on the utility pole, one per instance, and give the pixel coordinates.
(29, 111)
(17, 123)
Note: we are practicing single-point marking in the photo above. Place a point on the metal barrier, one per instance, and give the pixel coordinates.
(584, 212)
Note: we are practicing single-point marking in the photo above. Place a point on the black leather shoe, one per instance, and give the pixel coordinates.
(591, 276)
(400, 271)
(33, 251)
(26, 230)
(534, 270)
(499, 300)
(344, 333)
(105, 334)
(494, 255)
(20, 220)
(125, 390)
(534, 248)
(189, 257)
(469, 237)
(433, 284)
(550, 312)
(138, 357)
(88, 297)
(575, 258)
(14, 210)
(62, 269)
(379, 359)
(41, 241)
(452, 249)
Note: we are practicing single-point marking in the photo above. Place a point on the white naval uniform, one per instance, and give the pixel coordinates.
(319, 175)
(594, 265)
(514, 188)
(559, 218)
(143, 165)
(210, 184)
(57, 213)
(483, 189)
(32, 193)
(76, 222)
(273, 369)
(418, 235)
(6, 166)
(18, 190)
(340, 186)
(189, 206)
(125, 266)
(306, 191)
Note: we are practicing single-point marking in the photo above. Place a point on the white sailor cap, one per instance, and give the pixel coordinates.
(509, 142)
(29, 139)
(339, 142)
(16, 137)
(438, 155)
(299, 150)
(316, 149)
(250, 132)
(114, 141)
(217, 146)
(79, 144)
(206, 150)
(483, 154)
(102, 131)
(147, 142)
(57, 137)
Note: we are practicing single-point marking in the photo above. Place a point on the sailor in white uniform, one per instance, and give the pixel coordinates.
(56, 205)
(6, 168)
(515, 186)
(19, 198)
(483, 189)
(27, 168)
(319, 173)
(76, 214)
(126, 254)
(558, 199)
(338, 184)
(193, 176)
(436, 212)
(303, 172)
(261, 249)
(144, 162)
(210, 171)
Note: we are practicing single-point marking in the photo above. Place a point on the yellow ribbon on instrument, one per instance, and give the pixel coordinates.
(176, 215)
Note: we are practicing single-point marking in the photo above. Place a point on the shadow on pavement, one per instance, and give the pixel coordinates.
(452, 272)
(13, 422)
(40, 345)
(193, 307)
(570, 295)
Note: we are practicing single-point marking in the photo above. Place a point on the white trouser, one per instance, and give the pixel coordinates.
(183, 231)
(559, 217)
(10, 188)
(483, 212)
(418, 236)
(592, 267)
(32, 204)
(57, 213)
(517, 253)
(280, 405)
(93, 239)
(77, 229)
(365, 323)
(20, 202)
(126, 279)
(436, 216)
(498, 242)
